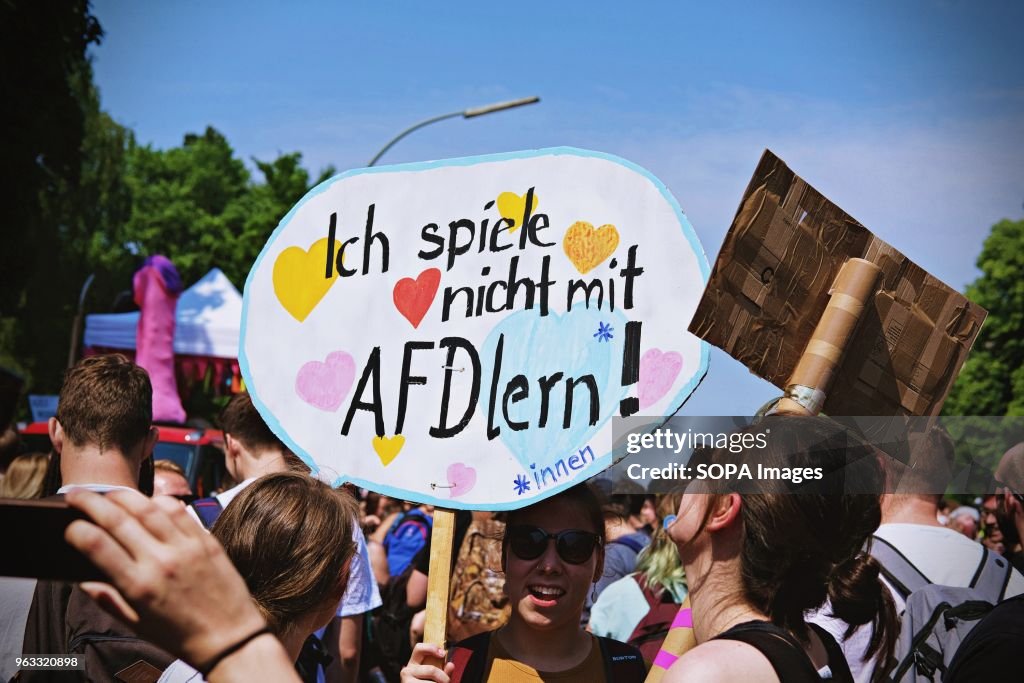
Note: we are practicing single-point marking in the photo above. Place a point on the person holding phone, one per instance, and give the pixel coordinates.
(102, 435)
(175, 585)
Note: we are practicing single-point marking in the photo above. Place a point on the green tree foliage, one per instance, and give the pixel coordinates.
(46, 111)
(83, 198)
(197, 204)
(992, 380)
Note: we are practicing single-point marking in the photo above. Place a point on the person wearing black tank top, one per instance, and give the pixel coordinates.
(757, 560)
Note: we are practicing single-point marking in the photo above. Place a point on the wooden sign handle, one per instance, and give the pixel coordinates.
(678, 641)
(808, 385)
(441, 539)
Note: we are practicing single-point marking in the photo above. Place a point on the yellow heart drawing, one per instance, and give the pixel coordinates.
(513, 207)
(299, 281)
(387, 447)
(587, 247)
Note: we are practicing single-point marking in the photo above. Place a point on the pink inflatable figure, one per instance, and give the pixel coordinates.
(157, 286)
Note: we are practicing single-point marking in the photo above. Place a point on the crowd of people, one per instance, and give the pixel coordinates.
(281, 577)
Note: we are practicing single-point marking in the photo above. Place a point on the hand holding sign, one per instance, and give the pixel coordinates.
(479, 341)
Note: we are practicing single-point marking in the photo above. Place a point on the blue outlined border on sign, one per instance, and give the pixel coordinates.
(602, 462)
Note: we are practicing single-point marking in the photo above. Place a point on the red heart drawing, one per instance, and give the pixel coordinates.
(413, 297)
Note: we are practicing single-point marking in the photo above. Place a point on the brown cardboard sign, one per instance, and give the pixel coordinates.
(771, 283)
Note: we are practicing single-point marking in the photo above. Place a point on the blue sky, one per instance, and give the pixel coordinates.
(908, 114)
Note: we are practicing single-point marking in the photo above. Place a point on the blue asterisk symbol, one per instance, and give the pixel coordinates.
(522, 484)
(604, 332)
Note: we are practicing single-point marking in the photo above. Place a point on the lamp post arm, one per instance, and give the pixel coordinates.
(410, 130)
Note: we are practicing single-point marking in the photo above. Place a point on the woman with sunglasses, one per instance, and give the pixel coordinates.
(757, 561)
(552, 553)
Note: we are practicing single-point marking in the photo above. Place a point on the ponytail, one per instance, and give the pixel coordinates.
(858, 597)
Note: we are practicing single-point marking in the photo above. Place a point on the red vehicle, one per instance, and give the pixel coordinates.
(199, 452)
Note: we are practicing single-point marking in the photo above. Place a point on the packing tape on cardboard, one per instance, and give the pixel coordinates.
(810, 398)
(823, 349)
(845, 302)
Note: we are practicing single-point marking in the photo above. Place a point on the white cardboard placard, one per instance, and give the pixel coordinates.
(400, 358)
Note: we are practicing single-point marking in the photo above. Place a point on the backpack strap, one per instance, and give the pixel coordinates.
(312, 658)
(622, 663)
(992, 576)
(782, 650)
(900, 571)
(837, 663)
(470, 657)
(208, 510)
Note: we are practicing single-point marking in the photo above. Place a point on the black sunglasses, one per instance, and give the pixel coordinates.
(573, 545)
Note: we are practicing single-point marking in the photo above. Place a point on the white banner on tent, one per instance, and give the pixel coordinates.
(461, 332)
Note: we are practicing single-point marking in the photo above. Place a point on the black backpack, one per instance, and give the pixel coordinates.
(64, 620)
(649, 634)
(386, 632)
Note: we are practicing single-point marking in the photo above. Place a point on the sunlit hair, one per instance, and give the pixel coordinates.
(106, 401)
(168, 466)
(290, 537)
(25, 477)
(659, 560)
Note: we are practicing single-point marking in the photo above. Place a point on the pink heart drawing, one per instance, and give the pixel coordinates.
(461, 478)
(657, 373)
(325, 385)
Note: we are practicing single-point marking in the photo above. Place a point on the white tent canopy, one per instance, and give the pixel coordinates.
(208, 321)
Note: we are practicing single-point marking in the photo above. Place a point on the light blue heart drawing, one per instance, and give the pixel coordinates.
(582, 342)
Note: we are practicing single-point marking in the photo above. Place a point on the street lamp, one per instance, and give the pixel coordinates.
(466, 114)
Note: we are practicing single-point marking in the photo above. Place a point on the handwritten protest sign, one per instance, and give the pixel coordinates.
(775, 275)
(462, 332)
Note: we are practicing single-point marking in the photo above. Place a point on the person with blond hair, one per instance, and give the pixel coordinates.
(169, 479)
(25, 476)
(639, 608)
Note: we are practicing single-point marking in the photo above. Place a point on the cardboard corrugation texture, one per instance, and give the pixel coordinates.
(771, 283)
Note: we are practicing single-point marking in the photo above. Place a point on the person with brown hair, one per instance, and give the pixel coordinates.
(552, 554)
(103, 431)
(25, 476)
(757, 562)
(253, 450)
(102, 438)
(290, 537)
